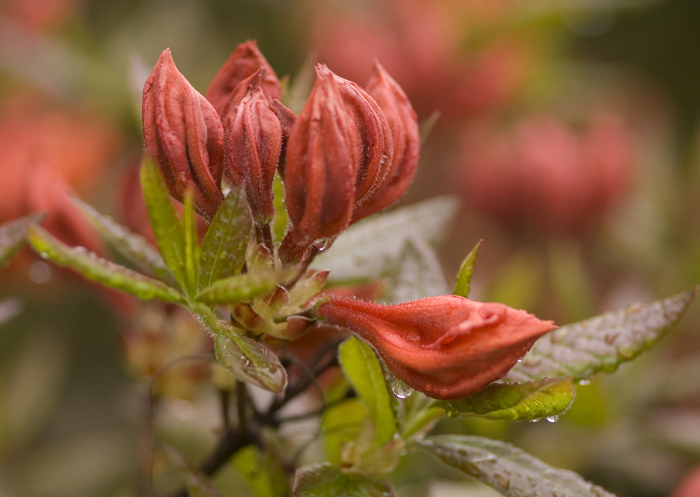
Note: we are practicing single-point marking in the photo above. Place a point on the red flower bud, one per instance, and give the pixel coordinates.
(244, 62)
(323, 158)
(184, 135)
(253, 145)
(406, 142)
(448, 347)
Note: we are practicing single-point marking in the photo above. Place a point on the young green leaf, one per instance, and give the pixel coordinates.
(342, 424)
(191, 244)
(13, 235)
(238, 288)
(464, 277)
(261, 472)
(518, 401)
(509, 470)
(367, 377)
(95, 268)
(164, 220)
(602, 343)
(280, 223)
(417, 274)
(325, 480)
(197, 484)
(247, 360)
(226, 241)
(370, 248)
(129, 244)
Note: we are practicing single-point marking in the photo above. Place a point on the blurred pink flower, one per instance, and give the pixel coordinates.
(690, 486)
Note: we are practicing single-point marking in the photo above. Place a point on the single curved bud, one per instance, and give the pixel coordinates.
(323, 158)
(183, 133)
(448, 347)
(406, 142)
(253, 145)
(375, 136)
(243, 62)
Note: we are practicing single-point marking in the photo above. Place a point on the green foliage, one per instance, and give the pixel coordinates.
(325, 480)
(191, 243)
(130, 245)
(367, 377)
(281, 219)
(100, 270)
(509, 470)
(261, 471)
(417, 274)
(226, 240)
(602, 343)
(464, 277)
(13, 235)
(164, 220)
(237, 288)
(369, 249)
(517, 401)
(342, 424)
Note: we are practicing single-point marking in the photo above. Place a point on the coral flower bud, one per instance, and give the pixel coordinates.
(448, 347)
(323, 158)
(253, 145)
(184, 135)
(406, 142)
(244, 62)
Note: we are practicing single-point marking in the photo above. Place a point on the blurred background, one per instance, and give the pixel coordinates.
(568, 128)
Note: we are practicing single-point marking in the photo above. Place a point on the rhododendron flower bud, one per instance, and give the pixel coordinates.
(184, 135)
(253, 145)
(323, 157)
(244, 62)
(449, 347)
(406, 142)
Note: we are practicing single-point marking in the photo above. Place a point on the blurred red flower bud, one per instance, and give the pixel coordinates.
(253, 145)
(245, 61)
(323, 158)
(183, 133)
(690, 486)
(406, 142)
(448, 347)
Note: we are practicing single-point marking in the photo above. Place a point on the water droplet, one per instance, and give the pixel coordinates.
(40, 272)
(584, 382)
(552, 419)
(400, 389)
(520, 359)
(323, 244)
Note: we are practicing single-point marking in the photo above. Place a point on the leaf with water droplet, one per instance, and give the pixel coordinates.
(364, 371)
(417, 273)
(129, 244)
(226, 241)
(13, 235)
(327, 480)
(95, 268)
(371, 248)
(508, 469)
(602, 343)
(464, 277)
(517, 401)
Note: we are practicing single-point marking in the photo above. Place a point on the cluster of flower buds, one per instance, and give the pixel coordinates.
(350, 153)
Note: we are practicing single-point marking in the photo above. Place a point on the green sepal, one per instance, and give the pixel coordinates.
(100, 270)
(464, 277)
(280, 223)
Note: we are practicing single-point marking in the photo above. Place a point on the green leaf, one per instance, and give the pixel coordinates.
(238, 288)
(13, 235)
(342, 424)
(509, 470)
(533, 401)
(369, 249)
(261, 471)
(247, 360)
(164, 220)
(95, 268)
(197, 484)
(602, 343)
(281, 219)
(226, 241)
(130, 245)
(417, 274)
(191, 245)
(325, 480)
(464, 277)
(367, 377)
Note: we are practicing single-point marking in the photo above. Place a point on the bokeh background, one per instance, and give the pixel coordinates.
(569, 129)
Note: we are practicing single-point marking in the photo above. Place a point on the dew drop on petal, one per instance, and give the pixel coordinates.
(323, 244)
(400, 389)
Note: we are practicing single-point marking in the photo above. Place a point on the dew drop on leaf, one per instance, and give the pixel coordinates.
(552, 419)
